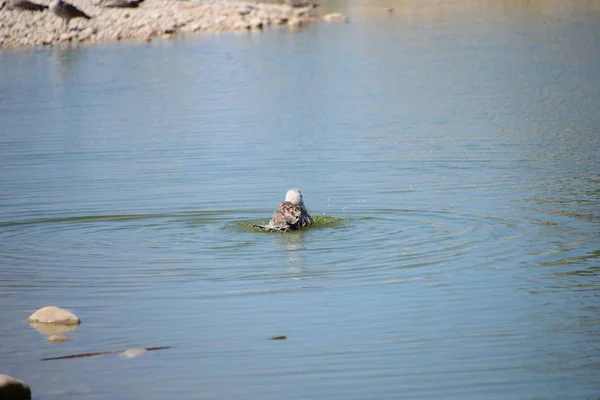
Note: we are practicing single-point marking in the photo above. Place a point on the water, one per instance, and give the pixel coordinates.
(460, 150)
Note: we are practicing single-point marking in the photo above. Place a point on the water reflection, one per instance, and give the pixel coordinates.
(293, 245)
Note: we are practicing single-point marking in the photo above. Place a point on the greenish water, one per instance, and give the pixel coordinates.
(321, 221)
(451, 163)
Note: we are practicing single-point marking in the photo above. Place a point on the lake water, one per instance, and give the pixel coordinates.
(460, 149)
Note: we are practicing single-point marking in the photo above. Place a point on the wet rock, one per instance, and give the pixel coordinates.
(58, 338)
(52, 329)
(294, 23)
(282, 337)
(54, 315)
(335, 17)
(133, 353)
(13, 389)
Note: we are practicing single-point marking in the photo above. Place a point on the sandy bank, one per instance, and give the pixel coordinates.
(153, 18)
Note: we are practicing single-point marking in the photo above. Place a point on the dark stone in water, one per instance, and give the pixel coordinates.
(13, 389)
(278, 338)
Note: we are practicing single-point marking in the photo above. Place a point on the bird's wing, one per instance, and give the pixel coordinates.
(76, 12)
(287, 214)
(28, 5)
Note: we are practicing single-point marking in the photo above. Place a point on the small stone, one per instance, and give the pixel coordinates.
(293, 24)
(245, 9)
(13, 389)
(335, 17)
(282, 337)
(58, 338)
(256, 23)
(54, 315)
(65, 37)
(133, 353)
(86, 33)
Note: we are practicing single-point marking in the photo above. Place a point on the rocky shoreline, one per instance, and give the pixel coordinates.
(152, 19)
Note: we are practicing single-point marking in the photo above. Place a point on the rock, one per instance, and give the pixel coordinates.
(86, 33)
(65, 37)
(133, 353)
(335, 17)
(300, 3)
(245, 9)
(13, 389)
(58, 338)
(146, 33)
(52, 329)
(256, 23)
(294, 23)
(169, 30)
(281, 337)
(162, 17)
(54, 315)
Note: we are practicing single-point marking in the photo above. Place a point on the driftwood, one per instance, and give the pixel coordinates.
(100, 353)
(283, 337)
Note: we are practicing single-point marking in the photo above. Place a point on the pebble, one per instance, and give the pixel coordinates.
(153, 18)
(133, 353)
(335, 17)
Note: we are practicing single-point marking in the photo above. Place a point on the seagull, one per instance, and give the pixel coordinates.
(291, 214)
(66, 11)
(26, 5)
(300, 3)
(245, 10)
(123, 4)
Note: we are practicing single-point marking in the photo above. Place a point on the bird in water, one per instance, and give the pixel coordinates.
(66, 11)
(290, 215)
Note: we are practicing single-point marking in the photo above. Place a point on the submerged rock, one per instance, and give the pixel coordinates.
(13, 389)
(281, 337)
(54, 315)
(52, 329)
(58, 338)
(133, 353)
(335, 17)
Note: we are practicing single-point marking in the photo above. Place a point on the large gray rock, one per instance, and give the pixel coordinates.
(13, 389)
(54, 315)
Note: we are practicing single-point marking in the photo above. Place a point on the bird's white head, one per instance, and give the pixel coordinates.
(294, 196)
